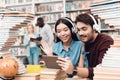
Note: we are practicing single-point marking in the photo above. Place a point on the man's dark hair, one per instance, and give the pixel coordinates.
(86, 19)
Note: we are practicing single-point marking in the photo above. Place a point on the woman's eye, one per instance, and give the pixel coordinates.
(65, 29)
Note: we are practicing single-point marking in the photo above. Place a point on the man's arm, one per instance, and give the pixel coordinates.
(103, 48)
(50, 35)
(88, 72)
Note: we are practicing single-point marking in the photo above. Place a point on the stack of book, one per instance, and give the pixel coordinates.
(108, 10)
(112, 58)
(10, 23)
(106, 74)
(109, 69)
(52, 74)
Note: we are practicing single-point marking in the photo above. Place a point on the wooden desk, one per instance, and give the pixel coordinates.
(36, 76)
(28, 76)
(77, 78)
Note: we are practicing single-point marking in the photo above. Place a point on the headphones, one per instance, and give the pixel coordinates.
(95, 26)
(74, 29)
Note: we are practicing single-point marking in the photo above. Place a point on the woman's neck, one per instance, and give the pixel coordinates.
(67, 44)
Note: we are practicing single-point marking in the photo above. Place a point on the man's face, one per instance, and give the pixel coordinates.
(85, 32)
(39, 23)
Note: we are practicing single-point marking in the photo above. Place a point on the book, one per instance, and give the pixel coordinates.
(36, 39)
(52, 74)
(107, 73)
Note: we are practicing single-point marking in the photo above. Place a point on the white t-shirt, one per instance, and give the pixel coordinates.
(47, 34)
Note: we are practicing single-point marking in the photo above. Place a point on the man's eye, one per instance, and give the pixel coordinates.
(84, 29)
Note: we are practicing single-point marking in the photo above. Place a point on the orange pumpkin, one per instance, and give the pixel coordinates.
(8, 67)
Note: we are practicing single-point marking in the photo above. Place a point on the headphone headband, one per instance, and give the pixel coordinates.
(74, 29)
(69, 21)
(95, 26)
(93, 19)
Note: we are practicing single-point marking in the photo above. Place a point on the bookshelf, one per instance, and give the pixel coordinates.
(18, 5)
(75, 7)
(108, 10)
(50, 10)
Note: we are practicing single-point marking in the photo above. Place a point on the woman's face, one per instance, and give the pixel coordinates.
(30, 29)
(63, 33)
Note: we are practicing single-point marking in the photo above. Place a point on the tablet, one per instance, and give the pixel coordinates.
(50, 61)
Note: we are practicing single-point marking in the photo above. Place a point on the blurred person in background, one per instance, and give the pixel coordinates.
(45, 31)
(32, 48)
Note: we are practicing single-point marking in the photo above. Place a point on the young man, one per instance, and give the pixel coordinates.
(95, 43)
(45, 31)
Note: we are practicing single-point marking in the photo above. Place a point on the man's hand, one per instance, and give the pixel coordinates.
(66, 64)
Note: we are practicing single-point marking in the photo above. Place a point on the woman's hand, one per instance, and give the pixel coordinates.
(42, 63)
(47, 49)
(66, 64)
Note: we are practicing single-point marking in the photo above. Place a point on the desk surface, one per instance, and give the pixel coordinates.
(77, 78)
(29, 74)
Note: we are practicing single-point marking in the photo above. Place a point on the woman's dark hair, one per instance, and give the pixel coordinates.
(68, 22)
(86, 19)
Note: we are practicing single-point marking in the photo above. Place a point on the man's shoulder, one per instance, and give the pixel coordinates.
(105, 36)
(46, 24)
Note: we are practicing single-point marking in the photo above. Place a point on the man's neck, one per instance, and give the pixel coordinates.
(94, 37)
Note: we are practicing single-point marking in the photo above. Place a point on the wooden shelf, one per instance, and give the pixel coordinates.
(82, 9)
(109, 29)
(48, 2)
(48, 12)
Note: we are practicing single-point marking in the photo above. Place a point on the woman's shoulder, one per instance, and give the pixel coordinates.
(25, 35)
(56, 44)
(78, 42)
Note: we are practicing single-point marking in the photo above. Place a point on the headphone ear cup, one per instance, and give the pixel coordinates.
(96, 27)
(74, 29)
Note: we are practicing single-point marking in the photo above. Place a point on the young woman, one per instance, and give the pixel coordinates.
(67, 46)
(32, 49)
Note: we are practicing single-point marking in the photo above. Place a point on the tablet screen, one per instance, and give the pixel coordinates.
(50, 61)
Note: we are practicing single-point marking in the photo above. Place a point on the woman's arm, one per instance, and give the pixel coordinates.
(47, 49)
(81, 70)
(26, 41)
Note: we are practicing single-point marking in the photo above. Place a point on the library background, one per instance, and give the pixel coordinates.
(16, 14)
